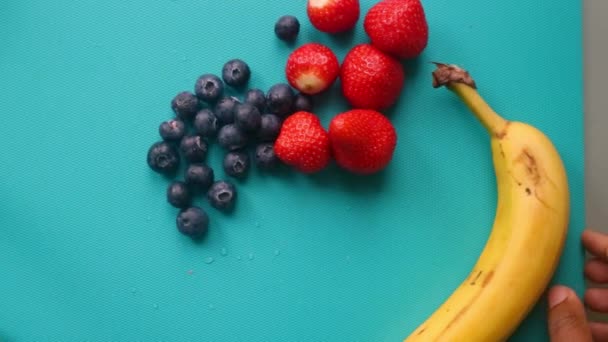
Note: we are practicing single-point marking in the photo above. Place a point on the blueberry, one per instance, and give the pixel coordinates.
(185, 104)
(303, 102)
(163, 158)
(265, 158)
(199, 177)
(205, 123)
(287, 28)
(194, 148)
(247, 117)
(209, 88)
(178, 194)
(231, 138)
(193, 222)
(270, 127)
(280, 99)
(236, 164)
(222, 195)
(172, 130)
(224, 109)
(236, 73)
(257, 98)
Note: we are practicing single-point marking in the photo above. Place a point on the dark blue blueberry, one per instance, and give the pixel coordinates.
(280, 99)
(199, 177)
(194, 148)
(247, 117)
(209, 88)
(222, 195)
(178, 194)
(257, 98)
(224, 109)
(236, 164)
(205, 123)
(172, 130)
(185, 105)
(236, 73)
(193, 222)
(163, 157)
(265, 158)
(303, 102)
(231, 138)
(270, 127)
(287, 28)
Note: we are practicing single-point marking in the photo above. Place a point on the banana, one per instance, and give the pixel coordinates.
(528, 235)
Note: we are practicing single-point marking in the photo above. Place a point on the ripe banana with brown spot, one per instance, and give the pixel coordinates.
(527, 238)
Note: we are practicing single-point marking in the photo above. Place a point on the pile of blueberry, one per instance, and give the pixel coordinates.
(237, 124)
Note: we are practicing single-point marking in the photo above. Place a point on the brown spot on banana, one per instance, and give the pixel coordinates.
(502, 151)
(504, 131)
(488, 278)
(530, 164)
(476, 278)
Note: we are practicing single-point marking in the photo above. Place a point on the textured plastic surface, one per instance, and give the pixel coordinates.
(89, 248)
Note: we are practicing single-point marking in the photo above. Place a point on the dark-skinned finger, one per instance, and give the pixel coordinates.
(596, 270)
(596, 243)
(599, 331)
(597, 299)
(567, 321)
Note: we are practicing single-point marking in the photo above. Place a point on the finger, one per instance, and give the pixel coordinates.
(596, 243)
(597, 299)
(567, 321)
(596, 271)
(599, 331)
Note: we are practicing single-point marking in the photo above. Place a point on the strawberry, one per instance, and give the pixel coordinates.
(333, 16)
(312, 68)
(397, 27)
(303, 143)
(371, 79)
(362, 141)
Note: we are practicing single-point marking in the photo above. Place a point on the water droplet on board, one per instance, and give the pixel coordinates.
(348, 258)
(224, 251)
(211, 306)
(277, 252)
(239, 257)
(133, 290)
(251, 256)
(208, 260)
(155, 306)
(148, 219)
(258, 224)
(185, 59)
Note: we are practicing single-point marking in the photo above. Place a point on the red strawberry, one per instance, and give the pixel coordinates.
(362, 140)
(398, 27)
(312, 68)
(370, 78)
(333, 16)
(303, 143)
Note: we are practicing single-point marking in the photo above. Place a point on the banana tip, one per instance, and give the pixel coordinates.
(445, 74)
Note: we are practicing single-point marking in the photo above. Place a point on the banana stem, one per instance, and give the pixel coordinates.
(460, 82)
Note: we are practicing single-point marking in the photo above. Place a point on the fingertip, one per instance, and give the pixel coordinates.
(557, 295)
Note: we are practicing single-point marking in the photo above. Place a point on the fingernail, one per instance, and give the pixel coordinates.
(557, 296)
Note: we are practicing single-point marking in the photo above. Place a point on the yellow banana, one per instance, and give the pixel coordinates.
(526, 241)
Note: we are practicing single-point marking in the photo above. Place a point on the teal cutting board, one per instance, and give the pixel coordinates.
(89, 250)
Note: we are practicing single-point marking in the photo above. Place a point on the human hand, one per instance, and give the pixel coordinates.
(567, 317)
